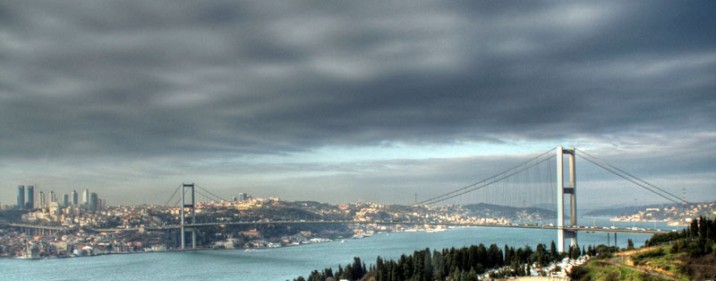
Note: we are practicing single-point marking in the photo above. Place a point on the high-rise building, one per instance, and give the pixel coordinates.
(75, 198)
(85, 198)
(65, 200)
(53, 198)
(93, 202)
(20, 197)
(30, 197)
(43, 200)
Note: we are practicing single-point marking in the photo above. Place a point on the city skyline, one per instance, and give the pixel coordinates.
(351, 101)
(26, 199)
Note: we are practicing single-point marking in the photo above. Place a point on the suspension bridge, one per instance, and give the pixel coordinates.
(548, 179)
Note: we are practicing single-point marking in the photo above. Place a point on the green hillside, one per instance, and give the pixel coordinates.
(686, 255)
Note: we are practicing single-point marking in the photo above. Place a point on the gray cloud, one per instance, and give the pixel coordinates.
(104, 82)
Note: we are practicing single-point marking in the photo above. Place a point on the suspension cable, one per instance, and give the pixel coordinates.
(205, 195)
(631, 178)
(176, 203)
(209, 192)
(484, 183)
(173, 194)
(444, 196)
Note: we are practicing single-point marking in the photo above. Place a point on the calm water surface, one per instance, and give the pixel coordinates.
(282, 263)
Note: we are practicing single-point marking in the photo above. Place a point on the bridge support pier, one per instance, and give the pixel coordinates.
(182, 212)
(562, 233)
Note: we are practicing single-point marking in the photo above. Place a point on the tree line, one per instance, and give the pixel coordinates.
(457, 264)
(697, 239)
(467, 263)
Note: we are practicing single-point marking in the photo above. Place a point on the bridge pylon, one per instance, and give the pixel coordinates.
(571, 189)
(182, 212)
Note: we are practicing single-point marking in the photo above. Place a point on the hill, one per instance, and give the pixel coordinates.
(623, 211)
(676, 213)
(514, 213)
(651, 263)
(686, 255)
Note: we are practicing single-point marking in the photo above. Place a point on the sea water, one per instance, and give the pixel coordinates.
(288, 262)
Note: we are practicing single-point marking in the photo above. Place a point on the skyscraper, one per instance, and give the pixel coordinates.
(85, 198)
(93, 202)
(43, 200)
(20, 197)
(65, 200)
(75, 198)
(30, 197)
(53, 198)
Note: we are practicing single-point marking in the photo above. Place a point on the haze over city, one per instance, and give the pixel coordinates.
(345, 101)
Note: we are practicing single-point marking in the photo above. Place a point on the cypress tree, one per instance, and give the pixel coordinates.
(380, 270)
(427, 266)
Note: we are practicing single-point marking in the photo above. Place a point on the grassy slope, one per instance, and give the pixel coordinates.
(653, 263)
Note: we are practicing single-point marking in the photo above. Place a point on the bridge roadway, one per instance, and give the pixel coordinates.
(35, 226)
(530, 226)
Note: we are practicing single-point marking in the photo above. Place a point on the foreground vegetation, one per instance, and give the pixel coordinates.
(463, 264)
(686, 255)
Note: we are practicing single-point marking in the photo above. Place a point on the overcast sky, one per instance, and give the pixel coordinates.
(341, 101)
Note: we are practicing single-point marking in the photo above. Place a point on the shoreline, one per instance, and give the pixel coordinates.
(177, 250)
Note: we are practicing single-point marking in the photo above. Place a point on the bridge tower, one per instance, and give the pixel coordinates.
(571, 189)
(191, 206)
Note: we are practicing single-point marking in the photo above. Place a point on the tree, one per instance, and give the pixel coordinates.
(316, 276)
(630, 244)
(540, 255)
(508, 255)
(494, 257)
(574, 252)
(553, 251)
(339, 273)
(358, 269)
(439, 266)
(427, 266)
(471, 275)
(406, 266)
(381, 270)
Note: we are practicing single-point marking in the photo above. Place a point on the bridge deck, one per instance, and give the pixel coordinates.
(224, 224)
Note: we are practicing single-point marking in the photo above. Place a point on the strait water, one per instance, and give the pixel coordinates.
(284, 263)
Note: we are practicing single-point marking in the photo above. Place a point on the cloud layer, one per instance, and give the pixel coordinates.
(157, 88)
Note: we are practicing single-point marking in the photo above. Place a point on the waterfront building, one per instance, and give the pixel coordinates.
(30, 197)
(20, 197)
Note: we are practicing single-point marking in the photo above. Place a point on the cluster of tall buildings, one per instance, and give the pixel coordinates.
(25, 202)
(26, 199)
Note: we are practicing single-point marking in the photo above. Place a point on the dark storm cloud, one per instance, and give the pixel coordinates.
(173, 77)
